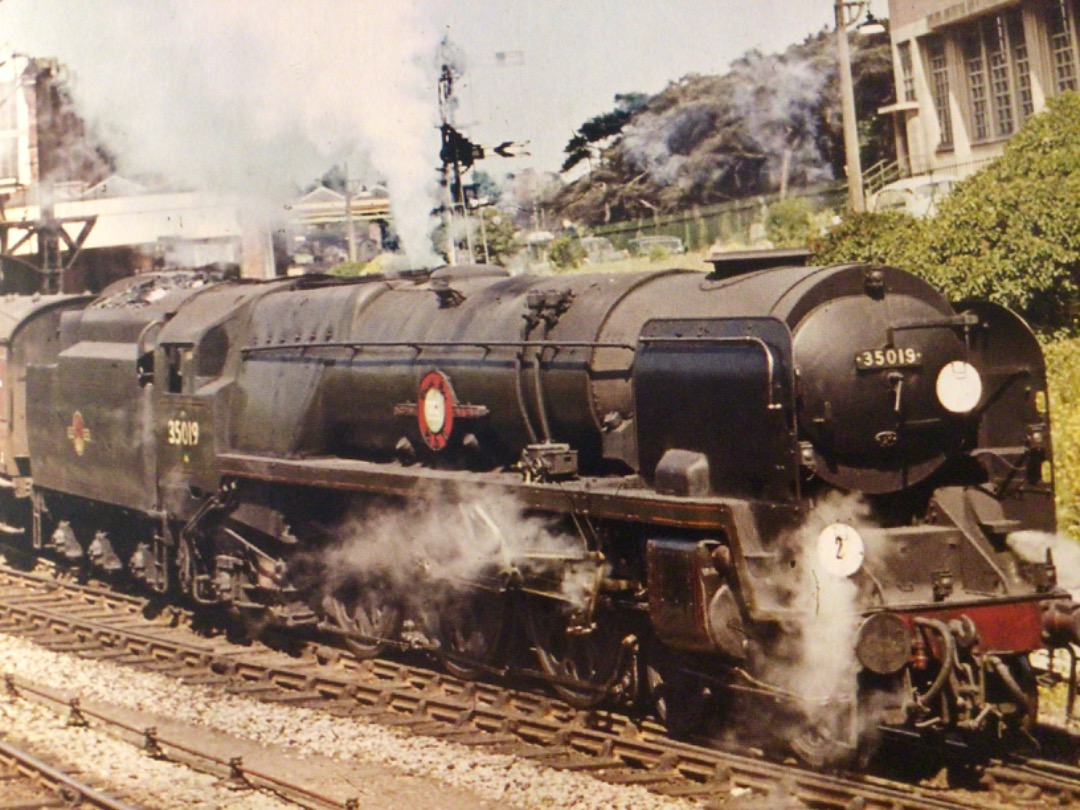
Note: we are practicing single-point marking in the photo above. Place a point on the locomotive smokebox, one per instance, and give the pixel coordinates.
(877, 405)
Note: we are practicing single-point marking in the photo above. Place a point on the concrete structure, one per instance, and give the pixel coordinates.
(58, 217)
(136, 229)
(969, 72)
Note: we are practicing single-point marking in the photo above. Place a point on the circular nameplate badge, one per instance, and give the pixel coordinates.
(435, 409)
(959, 387)
(840, 550)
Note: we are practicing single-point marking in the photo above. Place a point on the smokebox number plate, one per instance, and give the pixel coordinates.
(887, 358)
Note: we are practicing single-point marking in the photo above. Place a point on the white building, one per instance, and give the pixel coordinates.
(969, 72)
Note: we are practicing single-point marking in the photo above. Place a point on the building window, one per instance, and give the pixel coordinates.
(997, 46)
(907, 71)
(939, 86)
(1062, 45)
(976, 76)
(1021, 64)
(998, 75)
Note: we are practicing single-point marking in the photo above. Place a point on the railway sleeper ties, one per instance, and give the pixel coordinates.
(696, 765)
(663, 771)
(238, 776)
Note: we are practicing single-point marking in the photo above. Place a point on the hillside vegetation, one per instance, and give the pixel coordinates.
(708, 139)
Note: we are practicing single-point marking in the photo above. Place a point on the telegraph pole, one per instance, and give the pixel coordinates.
(847, 110)
(350, 226)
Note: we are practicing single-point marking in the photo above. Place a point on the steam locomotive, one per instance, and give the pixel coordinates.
(666, 488)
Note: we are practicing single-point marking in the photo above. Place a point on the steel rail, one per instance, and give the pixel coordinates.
(70, 789)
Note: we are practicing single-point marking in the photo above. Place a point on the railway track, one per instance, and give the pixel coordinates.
(98, 624)
(27, 782)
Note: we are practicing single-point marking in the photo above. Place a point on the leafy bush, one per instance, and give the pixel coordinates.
(891, 238)
(1063, 372)
(657, 253)
(1009, 233)
(566, 253)
(350, 269)
(498, 228)
(788, 222)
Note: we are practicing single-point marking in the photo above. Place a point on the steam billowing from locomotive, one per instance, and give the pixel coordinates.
(254, 99)
(448, 544)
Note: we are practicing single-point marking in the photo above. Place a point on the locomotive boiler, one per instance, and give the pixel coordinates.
(716, 472)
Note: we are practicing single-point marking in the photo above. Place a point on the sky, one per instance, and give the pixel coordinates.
(266, 95)
(575, 56)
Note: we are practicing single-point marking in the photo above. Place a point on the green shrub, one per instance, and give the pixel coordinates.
(350, 269)
(566, 253)
(890, 238)
(1009, 233)
(1063, 373)
(788, 222)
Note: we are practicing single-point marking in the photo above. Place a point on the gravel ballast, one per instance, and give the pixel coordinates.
(303, 733)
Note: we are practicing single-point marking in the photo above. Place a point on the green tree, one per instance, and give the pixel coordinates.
(602, 128)
(1011, 233)
(705, 140)
(486, 188)
(499, 230)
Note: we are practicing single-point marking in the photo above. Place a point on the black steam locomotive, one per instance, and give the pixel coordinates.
(790, 489)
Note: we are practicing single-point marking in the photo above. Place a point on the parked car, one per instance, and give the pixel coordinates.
(918, 196)
(650, 245)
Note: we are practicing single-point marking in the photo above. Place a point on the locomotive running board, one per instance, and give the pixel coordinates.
(596, 497)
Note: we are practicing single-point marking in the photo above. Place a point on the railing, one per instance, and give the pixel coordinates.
(880, 175)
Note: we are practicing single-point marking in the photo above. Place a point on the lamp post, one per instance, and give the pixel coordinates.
(847, 15)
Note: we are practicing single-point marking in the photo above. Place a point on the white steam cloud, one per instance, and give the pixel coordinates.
(437, 548)
(814, 660)
(1065, 552)
(823, 665)
(261, 97)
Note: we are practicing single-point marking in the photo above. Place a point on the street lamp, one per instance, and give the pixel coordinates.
(847, 16)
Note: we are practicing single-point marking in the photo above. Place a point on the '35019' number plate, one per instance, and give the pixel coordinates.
(887, 358)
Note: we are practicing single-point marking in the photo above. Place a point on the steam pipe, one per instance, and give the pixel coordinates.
(1010, 682)
(947, 660)
(519, 361)
(541, 404)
